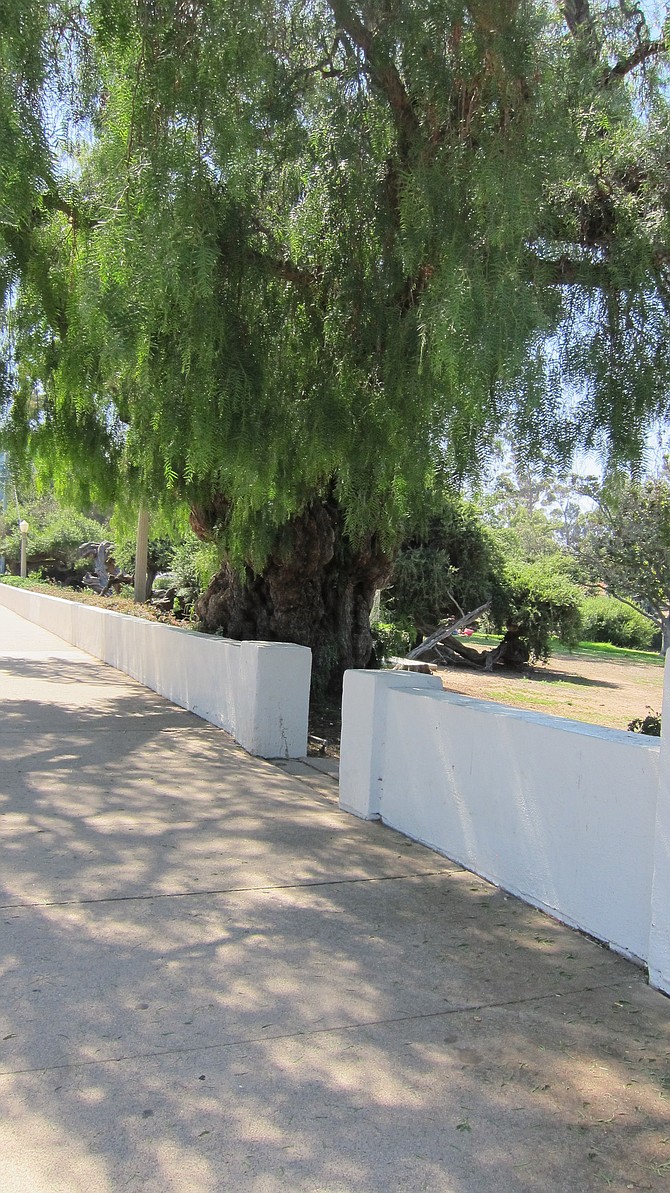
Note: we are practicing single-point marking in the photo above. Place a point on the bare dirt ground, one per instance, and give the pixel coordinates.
(602, 692)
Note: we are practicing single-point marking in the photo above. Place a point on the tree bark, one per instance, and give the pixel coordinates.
(316, 589)
(141, 555)
(665, 633)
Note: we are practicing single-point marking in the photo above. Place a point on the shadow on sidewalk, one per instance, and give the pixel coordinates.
(223, 984)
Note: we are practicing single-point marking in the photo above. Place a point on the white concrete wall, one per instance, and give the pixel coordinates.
(659, 936)
(363, 743)
(565, 815)
(257, 691)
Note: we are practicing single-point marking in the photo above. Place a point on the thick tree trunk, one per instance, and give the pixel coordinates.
(316, 589)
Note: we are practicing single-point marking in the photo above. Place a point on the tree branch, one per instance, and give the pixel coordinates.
(579, 20)
(631, 605)
(384, 75)
(285, 269)
(645, 50)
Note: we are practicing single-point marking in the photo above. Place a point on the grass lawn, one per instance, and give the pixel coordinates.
(586, 650)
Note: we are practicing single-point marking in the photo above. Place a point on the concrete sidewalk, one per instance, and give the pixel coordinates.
(211, 979)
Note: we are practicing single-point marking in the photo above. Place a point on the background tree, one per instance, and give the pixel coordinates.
(56, 532)
(536, 506)
(447, 566)
(454, 563)
(627, 547)
(302, 261)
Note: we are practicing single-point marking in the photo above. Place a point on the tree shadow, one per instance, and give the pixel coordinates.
(214, 980)
(569, 677)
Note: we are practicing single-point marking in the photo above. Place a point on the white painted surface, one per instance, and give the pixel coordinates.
(659, 935)
(257, 691)
(568, 816)
(363, 743)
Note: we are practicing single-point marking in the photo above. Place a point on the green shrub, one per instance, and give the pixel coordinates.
(180, 560)
(30, 581)
(542, 599)
(55, 534)
(391, 639)
(193, 563)
(605, 619)
(448, 563)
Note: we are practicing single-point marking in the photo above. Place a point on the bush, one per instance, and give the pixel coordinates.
(193, 563)
(448, 564)
(30, 581)
(55, 534)
(177, 560)
(542, 599)
(391, 639)
(651, 724)
(605, 619)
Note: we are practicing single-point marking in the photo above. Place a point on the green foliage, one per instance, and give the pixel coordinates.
(193, 563)
(534, 507)
(287, 251)
(605, 619)
(448, 566)
(182, 560)
(30, 581)
(391, 640)
(159, 549)
(54, 536)
(627, 546)
(542, 599)
(455, 564)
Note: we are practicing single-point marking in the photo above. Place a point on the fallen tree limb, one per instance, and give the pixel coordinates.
(446, 631)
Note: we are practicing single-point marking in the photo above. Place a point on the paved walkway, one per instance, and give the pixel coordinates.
(211, 979)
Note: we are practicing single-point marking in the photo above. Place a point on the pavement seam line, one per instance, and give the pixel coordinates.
(232, 890)
(301, 1034)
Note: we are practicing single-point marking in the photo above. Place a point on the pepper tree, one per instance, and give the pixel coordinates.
(295, 264)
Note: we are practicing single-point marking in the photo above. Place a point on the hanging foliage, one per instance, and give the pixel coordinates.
(258, 255)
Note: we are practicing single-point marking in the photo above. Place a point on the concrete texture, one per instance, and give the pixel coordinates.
(257, 691)
(564, 814)
(212, 979)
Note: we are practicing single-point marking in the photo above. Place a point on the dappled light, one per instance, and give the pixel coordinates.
(213, 979)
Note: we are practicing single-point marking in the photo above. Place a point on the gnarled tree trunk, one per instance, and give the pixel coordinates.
(316, 589)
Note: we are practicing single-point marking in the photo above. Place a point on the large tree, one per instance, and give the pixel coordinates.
(292, 263)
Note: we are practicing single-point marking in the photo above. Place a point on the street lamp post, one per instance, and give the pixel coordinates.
(24, 528)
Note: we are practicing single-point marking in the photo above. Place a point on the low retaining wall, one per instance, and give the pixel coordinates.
(257, 691)
(572, 818)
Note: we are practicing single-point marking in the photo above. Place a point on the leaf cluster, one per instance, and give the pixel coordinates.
(627, 547)
(274, 250)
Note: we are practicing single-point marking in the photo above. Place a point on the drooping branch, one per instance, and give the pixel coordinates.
(285, 269)
(384, 76)
(564, 270)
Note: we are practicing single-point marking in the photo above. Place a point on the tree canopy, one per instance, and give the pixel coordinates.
(259, 254)
(627, 547)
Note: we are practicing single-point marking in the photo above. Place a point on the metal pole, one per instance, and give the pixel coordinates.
(24, 555)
